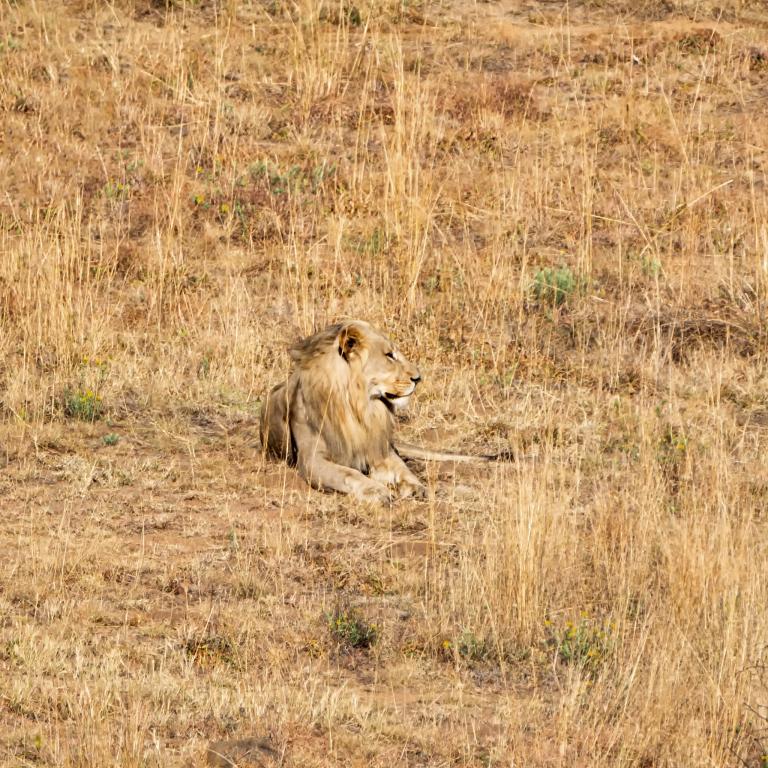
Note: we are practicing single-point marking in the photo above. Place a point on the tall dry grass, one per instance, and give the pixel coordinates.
(189, 186)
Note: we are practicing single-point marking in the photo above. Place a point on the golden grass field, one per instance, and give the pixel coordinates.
(188, 187)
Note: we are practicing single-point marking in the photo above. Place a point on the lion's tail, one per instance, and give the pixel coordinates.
(409, 451)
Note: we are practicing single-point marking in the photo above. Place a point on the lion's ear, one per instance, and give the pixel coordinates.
(350, 339)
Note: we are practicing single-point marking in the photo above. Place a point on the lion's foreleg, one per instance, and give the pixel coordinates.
(326, 475)
(393, 471)
(323, 474)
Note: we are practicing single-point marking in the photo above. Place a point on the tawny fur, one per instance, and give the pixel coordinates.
(332, 418)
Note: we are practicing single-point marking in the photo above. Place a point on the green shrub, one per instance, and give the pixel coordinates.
(554, 286)
(351, 630)
(467, 646)
(84, 405)
(585, 643)
(81, 400)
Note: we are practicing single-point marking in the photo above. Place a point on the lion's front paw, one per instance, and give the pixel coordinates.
(412, 490)
(374, 493)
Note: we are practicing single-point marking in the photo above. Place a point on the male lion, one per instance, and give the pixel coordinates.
(332, 418)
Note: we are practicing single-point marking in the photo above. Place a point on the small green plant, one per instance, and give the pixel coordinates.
(650, 266)
(470, 647)
(9, 44)
(111, 439)
(82, 400)
(672, 447)
(554, 286)
(377, 243)
(84, 405)
(586, 643)
(672, 441)
(116, 189)
(467, 646)
(294, 179)
(351, 630)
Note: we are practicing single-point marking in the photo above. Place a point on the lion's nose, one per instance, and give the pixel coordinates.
(416, 379)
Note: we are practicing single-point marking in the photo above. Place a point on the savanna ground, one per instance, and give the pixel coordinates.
(560, 211)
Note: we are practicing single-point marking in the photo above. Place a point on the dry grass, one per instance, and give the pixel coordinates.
(187, 186)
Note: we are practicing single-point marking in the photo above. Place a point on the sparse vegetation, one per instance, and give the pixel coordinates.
(211, 650)
(466, 646)
(553, 286)
(293, 179)
(350, 630)
(585, 643)
(85, 405)
(557, 209)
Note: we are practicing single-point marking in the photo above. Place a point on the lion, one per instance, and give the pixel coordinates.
(333, 417)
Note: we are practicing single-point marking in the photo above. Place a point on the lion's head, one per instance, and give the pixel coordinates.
(352, 378)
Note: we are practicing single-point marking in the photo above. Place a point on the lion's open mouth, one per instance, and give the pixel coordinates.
(393, 401)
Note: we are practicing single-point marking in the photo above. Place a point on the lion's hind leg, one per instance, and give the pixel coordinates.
(274, 426)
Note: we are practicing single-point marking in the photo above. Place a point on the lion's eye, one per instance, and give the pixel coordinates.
(391, 355)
